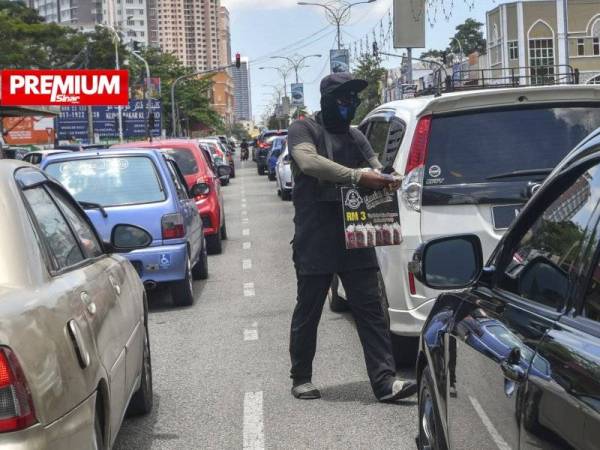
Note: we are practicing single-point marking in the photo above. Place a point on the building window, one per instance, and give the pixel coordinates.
(580, 47)
(513, 50)
(541, 60)
(596, 46)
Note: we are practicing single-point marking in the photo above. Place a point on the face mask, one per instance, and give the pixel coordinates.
(346, 112)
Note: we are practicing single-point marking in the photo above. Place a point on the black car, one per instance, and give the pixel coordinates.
(510, 357)
(263, 147)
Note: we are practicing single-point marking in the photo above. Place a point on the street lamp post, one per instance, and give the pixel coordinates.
(296, 63)
(284, 74)
(117, 40)
(462, 53)
(146, 100)
(337, 15)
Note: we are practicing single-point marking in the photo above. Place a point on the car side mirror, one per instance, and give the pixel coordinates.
(199, 189)
(453, 262)
(223, 171)
(125, 238)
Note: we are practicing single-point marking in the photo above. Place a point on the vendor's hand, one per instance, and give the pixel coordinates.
(374, 180)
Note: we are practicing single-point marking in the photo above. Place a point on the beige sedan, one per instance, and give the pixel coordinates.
(74, 348)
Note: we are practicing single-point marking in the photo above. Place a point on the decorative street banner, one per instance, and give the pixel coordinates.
(297, 94)
(73, 121)
(339, 60)
(371, 218)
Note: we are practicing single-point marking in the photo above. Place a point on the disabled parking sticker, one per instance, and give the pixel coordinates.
(165, 261)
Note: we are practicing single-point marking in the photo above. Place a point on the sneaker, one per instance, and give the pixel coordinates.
(400, 389)
(306, 391)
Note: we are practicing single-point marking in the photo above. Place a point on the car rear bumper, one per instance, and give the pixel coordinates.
(208, 209)
(74, 430)
(160, 264)
(410, 322)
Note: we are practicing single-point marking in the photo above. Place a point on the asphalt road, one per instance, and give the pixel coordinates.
(221, 367)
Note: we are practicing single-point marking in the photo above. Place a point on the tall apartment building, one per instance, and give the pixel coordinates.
(242, 92)
(222, 96)
(224, 37)
(187, 28)
(128, 16)
(529, 37)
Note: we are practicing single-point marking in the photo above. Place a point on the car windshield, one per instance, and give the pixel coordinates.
(478, 146)
(111, 181)
(184, 158)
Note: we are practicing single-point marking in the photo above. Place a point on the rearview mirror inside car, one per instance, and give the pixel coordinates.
(453, 262)
(223, 171)
(125, 238)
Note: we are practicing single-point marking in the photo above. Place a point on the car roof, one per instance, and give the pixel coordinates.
(69, 156)
(482, 98)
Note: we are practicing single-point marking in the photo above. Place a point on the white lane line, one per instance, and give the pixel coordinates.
(246, 232)
(249, 290)
(247, 245)
(244, 213)
(245, 220)
(254, 430)
(250, 335)
(247, 264)
(498, 440)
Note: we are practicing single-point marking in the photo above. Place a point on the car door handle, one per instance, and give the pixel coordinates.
(87, 300)
(115, 285)
(513, 372)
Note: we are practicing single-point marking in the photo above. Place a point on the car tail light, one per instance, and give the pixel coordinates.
(16, 405)
(412, 185)
(411, 283)
(172, 226)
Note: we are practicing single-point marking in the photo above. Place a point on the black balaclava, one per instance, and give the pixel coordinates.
(336, 118)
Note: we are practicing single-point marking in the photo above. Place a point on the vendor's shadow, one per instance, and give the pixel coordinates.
(358, 392)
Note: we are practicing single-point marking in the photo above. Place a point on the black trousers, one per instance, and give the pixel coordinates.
(363, 295)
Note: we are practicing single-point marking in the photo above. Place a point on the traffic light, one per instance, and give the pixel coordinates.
(375, 49)
(238, 60)
(137, 46)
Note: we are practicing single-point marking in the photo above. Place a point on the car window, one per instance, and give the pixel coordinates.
(185, 159)
(395, 137)
(90, 244)
(378, 136)
(543, 262)
(179, 184)
(63, 247)
(473, 147)
(110, 181)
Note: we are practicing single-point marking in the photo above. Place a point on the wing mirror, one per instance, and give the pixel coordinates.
(199, 190)
(223, 171)
(453, 262)
(125, 238)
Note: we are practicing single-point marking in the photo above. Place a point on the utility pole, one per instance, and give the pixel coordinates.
(145, 90)
(117, 40)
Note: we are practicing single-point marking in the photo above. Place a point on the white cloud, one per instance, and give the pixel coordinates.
(258, 4)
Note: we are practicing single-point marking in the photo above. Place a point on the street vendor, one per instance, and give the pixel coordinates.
(326, 154)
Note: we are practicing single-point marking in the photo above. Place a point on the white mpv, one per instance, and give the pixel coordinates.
(470, 160)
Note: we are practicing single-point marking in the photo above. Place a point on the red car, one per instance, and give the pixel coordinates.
(201, 175)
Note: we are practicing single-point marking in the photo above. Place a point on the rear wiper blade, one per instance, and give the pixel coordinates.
(520, 173)
(92, 205)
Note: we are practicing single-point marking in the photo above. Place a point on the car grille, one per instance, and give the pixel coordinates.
(206, 222)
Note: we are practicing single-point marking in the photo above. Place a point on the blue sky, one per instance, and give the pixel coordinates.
(261, 27)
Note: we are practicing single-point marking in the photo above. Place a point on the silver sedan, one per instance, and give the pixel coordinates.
(74, 348)
(283, 173)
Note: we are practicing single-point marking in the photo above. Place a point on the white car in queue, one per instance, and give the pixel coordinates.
(283, 174)
(470, 161)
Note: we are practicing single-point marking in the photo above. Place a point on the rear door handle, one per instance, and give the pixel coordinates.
(87, 300)
(115, 285)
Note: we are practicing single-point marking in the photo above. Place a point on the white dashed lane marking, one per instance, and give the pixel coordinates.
(247, 245)
(247, 264)
(246, 232)
(245, 221)
(251, 335)
(254, 436)
(249, 290)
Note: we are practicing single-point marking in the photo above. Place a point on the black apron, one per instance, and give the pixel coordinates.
(319, 245)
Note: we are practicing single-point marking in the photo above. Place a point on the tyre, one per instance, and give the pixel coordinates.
(272, 177)
(214, 243)
(225, 182)
(200, 270)
(286, 196)
(183, 291)
(336, 303)
(404, 347)
(142, 400)
(232, 175)
(261, 170)
(431, 434)
(224, 229)
(98, 439)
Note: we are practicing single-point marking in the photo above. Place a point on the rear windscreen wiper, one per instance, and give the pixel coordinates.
(91, 205)
(520, 173)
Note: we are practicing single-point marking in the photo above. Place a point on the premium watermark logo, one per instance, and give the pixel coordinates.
(64, 87)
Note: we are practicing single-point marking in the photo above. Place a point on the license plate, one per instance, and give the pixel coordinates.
(504, 215)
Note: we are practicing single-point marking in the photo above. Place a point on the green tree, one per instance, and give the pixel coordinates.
(369, 68)
(471, 38)
(239, 132)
